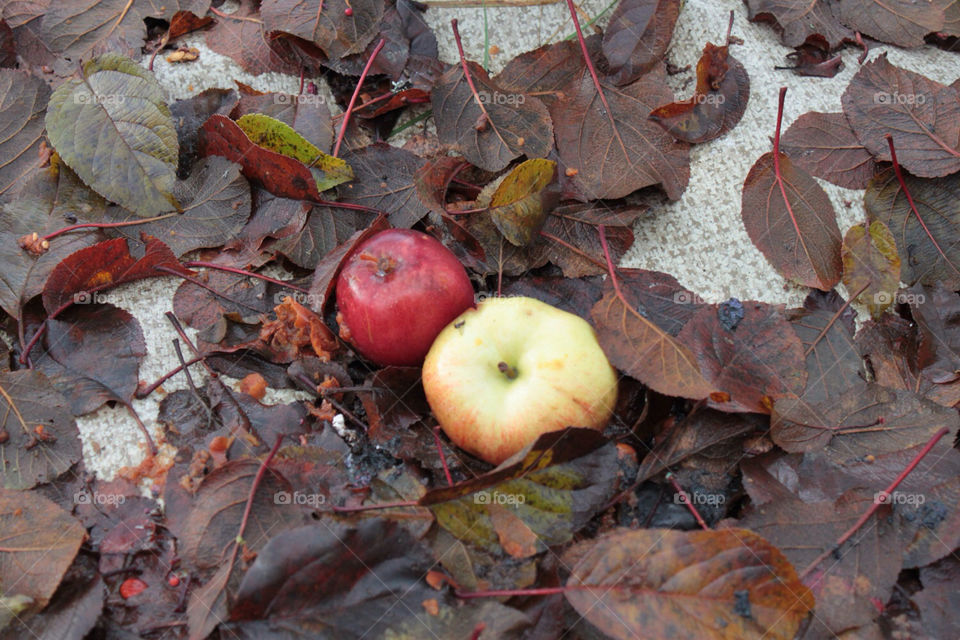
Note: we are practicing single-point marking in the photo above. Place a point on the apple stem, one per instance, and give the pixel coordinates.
(876, 503)
(443, 457)
(507, 370)
(686, 501)
(353, 98)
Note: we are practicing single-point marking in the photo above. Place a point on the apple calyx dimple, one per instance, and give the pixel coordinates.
(507, 370)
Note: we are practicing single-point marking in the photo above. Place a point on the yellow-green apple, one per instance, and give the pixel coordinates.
(396, 292)
(511, 369)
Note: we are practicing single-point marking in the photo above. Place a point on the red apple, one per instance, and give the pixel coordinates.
(396, 292)
(503, 374)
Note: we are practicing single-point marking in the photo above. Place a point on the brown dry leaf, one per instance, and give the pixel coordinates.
(926, 240)
(801, 21)
(798, 234)
(826, 146)
(717, 104)
(642, 350)
(702, 585)
(40, 541)
(871, 263)
(900, 22)
(638, 36)
(326, 23)
(921, 115)
(747, 351)
(873, 421)
(636, 152)
(500, 127)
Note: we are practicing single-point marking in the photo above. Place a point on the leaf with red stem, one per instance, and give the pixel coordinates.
(790, 218)
(641, 349)
(923, 117)
(924, 216)
(826, 146)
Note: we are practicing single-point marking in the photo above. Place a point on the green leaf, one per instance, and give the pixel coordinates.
(113, 128)
(553, 488)
(280, 137)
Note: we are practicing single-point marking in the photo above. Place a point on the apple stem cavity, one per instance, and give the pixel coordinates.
(353, 98)
(510, 372)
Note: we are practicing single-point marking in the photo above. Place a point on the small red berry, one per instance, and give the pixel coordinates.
(132, 587)
(348, 12)
(173, 580)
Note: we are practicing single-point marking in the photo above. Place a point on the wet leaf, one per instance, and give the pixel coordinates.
(871, 263)
(926, 244)
(800, 21)
(307, 113)
(384, 181)
(190, 114)
(78, 278)
(792, 222)
(546, 70)
(274, 135)
(324, 229)
(570, 237)
(935, 310)
(39, 208)
(521, 203)
(43, 440)
(637, 346)
(751, 360)
(554, 487)
(113, 128)
(640, 154)
(491, 133)
(921, 115)
(23, 99)
(900, 22)
(825, 328)
(326, 22)
(92, 355)
(718, 102)
(874, 421)
(216, 204)
(846, 586)
(826, 146)
(40, 541)
(638, 36)
(246, 42)
(279, 174)
(687, 584)
(939, 598)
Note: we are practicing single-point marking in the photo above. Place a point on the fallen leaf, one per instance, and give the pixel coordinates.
(243, 38)
(639, 154)
(791, 220)
(104, 139)
(718, 102)
(521, 203)
(637, 37)
(84, 273)
(40, 541)
(871, 263)
(825, 145)
(500, 127)
(900, 22)
(23, 99)
(326, 23)
(801, 21)
(921, 115)
(687, 584)
(747, 351)
(384, 181)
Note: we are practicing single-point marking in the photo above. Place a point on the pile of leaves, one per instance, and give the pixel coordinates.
(769, 472)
